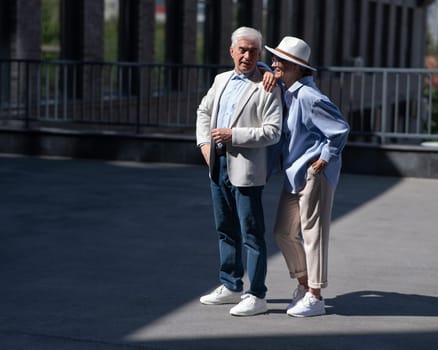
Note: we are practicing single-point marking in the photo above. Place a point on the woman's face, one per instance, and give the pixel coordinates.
(287, 71)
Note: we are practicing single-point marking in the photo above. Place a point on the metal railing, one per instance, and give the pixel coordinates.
(381, 105)
(385, 105)
(105, 96)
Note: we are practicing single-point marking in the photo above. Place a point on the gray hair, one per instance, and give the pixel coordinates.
(247, 33)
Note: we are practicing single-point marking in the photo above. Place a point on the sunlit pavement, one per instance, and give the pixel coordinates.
(106, 255)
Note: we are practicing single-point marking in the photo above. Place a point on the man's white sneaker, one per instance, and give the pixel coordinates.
(249, 306)
(309, 305)
(221, 295)
(298, 294)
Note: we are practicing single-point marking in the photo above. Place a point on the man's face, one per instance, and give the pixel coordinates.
(245, 55)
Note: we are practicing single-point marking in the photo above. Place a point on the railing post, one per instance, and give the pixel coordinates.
(139, 95)
(28, 95)
(384, 106)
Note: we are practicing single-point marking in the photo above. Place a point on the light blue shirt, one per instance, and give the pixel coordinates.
(315, 129)
(230, 98)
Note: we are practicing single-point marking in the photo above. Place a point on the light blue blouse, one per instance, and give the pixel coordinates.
(315, 129)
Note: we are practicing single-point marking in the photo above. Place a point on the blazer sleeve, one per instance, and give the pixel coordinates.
(204, 115)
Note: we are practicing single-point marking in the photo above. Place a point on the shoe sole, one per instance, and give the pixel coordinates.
(237, 300)
(301, 315)
(249, 314)
(220, 303)
(245, 315)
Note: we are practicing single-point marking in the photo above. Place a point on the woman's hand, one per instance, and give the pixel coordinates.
(269, 82)
(319, 165)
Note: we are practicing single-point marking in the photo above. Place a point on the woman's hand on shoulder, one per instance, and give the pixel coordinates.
(269, 82)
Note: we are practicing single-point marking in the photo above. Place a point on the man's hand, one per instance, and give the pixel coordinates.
(319, 165)
(221, 135)
(205, 150)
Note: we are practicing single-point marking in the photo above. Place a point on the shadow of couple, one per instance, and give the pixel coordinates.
(378, 303)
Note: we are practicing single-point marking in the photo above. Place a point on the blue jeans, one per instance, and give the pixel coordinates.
(239, 218)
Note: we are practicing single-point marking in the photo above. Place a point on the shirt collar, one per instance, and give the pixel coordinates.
(307, 80)
(242, 76)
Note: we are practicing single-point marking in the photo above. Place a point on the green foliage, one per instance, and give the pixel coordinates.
(50, 31)
(159, 42)
(200, 49)
(111, 37)
(431, 46)
(50, 21)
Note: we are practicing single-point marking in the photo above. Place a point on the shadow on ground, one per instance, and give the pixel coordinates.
(93, 250)
(378, 303)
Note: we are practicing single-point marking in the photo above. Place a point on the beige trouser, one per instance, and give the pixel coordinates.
(309, 213)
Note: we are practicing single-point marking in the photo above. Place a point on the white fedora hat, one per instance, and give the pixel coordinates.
(293, 50)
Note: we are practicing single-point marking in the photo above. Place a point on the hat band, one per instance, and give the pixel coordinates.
(292, 56)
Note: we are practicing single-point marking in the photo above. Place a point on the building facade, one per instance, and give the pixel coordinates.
(374, 33)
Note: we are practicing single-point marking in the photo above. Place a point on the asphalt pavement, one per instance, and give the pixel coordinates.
(115, 255)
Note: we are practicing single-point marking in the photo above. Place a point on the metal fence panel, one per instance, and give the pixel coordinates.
(382, 105)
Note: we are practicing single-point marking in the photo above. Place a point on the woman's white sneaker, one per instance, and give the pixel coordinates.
(309, 305)
(298, 294)
(250, 306)
(221, 295)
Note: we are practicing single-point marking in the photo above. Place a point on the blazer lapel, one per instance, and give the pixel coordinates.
(246, 96)
(222, 84)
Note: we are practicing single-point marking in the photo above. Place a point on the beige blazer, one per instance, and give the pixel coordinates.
(256, 124)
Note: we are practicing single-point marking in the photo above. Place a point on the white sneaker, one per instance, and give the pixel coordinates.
(298, 294)
(249, 306)
(308, 306)
(221, 295)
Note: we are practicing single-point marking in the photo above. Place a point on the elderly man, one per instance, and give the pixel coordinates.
(316, 135)
(236, 121)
